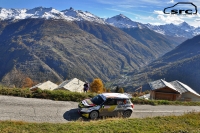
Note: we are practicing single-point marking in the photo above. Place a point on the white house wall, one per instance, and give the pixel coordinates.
(189, 95)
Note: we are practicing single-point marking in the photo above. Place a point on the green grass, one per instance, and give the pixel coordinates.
(188, 123)
(164, 102)
(63, 95)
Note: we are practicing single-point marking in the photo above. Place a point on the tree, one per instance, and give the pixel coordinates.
(108, 90)
(27, 83)
(97, 86)
(121, 90)
(117, 89)
(14, 78)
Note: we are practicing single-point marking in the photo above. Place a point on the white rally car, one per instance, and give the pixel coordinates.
(106, 104)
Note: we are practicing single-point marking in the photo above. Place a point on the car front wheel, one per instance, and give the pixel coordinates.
(94, 115)
(127, 113)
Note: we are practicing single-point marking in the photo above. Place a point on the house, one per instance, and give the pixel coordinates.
(74, 85)
(187, 93)
(175, 90)
(162, 90)
(48, 85)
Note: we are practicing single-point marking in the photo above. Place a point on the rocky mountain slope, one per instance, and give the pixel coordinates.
(58, 49)
(55, 50)
(153, 40)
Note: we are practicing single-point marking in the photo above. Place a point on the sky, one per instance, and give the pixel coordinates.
(144, 11)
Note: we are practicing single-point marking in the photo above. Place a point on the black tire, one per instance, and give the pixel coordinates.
(127, 114)
(94, 115)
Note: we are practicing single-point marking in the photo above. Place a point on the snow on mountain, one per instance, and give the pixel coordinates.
(38, 12)
(48, 13)
(122, 21)
(156, 28)
(185, 26)
(6, 14)
(181, 30)
(81, 15)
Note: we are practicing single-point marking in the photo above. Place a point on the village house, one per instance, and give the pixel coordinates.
(74, 85)
(48, 85)
(175, 90)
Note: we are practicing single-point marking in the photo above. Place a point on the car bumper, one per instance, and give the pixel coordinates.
(84, 114)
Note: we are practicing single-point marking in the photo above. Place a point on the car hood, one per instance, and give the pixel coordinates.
(86, 103)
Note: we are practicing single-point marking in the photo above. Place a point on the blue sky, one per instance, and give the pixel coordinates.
(145, 11)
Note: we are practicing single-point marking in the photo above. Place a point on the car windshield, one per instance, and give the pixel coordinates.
(97, 100)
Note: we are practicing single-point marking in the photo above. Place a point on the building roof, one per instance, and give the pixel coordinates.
(48, 85)
(183, 88)
(175, 85)
(158, 84)
(74, 85)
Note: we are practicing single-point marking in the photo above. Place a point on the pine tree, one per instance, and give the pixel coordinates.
(117, 89)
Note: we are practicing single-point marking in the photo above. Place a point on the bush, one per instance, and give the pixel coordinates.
(64, 95)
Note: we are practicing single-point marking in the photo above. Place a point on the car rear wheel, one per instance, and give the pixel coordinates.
(127, 113)
(94, 115)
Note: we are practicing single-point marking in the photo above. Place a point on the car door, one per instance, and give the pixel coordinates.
(120, 106)
(107, 109)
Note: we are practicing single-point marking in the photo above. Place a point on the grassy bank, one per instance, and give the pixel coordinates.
(188, 123)
(63, 95)
(58, 95)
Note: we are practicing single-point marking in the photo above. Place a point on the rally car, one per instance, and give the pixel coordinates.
(106, 104)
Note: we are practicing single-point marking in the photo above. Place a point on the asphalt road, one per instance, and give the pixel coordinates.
(40, 110)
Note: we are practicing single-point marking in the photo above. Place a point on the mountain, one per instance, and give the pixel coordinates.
(79, 15)
(122, 21)
(58, 49)
(182, 30)
(54, 50)
(38, 12)
(47, 44)
(174, 33)
(134, 52)
(158, 43)
(48, 13)
(181, 64)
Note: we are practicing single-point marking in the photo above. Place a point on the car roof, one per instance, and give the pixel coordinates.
(115, 95)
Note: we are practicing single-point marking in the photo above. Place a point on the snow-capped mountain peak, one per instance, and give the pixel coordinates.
(81, 15)
(181, 30)
(122, 21)
(48, 13)
(186, 26)
(6, 14)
